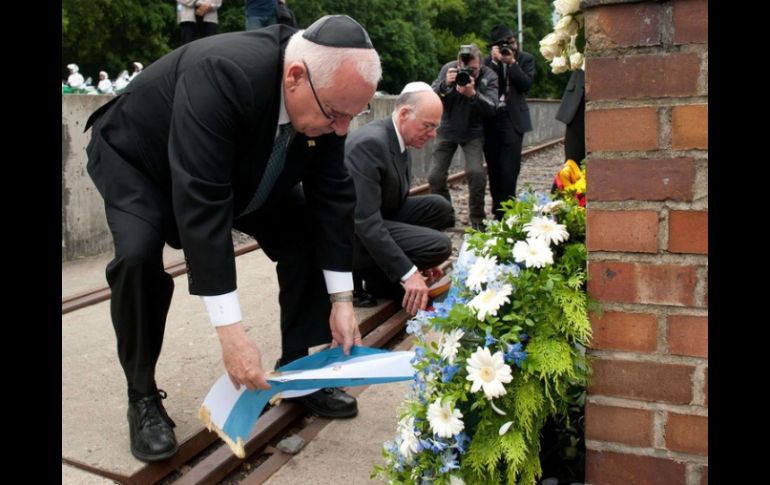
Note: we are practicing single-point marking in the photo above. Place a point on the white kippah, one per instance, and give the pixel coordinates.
(416, 86)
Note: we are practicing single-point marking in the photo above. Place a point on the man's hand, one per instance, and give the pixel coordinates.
(495, 53)
(202, 9)
(344, 326)
(415, 294)
(469, 90)
(433, 274)
(451, 74)
(242, 358)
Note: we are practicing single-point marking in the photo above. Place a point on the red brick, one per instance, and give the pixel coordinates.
(704, 477)
(622, 129)
(651, 76)
(687, 433)
(628, 231)
(641, 179)
(644, 381)
(660, 284)
(621, 425)
(610, 468)
(623, 25)
(706, 387)
(688, 335)
(691, 21)
(688, 232)
(690, 127)
(636, 332)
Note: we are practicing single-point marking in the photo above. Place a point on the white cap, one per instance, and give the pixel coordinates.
(72, 67)
(416, 86)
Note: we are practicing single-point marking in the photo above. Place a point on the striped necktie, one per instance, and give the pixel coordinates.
(273, 169)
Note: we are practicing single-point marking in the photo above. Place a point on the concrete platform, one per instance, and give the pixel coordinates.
(94, 426)
(75, 476)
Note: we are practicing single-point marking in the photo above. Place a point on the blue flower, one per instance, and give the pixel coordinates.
(414, 327)
(489, 340)
(462, 440)
(419, 354)
(448, 372)
(515, 354)
(523, 337)
(448, 462)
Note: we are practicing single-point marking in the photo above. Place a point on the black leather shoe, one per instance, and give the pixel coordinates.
(364, 299)
(329, 403)
(150, 427)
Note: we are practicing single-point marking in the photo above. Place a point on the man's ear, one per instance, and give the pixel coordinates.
(294, 76)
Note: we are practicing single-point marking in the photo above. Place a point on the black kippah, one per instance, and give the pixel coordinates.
(338, 31)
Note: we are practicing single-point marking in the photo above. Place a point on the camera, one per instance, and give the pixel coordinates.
(465, 54)
(464, 76)
(505, 49)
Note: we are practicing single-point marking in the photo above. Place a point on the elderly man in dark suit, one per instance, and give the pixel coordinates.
(218, 135)
(503, 133)
(398, 238)
(572, 112)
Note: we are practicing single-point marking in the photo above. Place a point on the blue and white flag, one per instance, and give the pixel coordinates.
(233, 413)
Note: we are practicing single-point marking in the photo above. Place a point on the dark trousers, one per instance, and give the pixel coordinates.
(191, 31)
(502, 150)
(443, 151)
(142, 290)
(416, 229)
(575, 135)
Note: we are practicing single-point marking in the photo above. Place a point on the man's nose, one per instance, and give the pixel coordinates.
(341, 126)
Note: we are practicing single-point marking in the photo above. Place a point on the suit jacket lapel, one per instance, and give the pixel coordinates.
(399, 160)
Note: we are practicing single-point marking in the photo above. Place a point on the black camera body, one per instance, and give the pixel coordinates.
(506, 49)
(464, 76)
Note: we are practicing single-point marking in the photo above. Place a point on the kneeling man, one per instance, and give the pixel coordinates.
(398, 238)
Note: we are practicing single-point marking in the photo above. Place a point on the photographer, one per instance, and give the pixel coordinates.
(503, 133)
(468, 91)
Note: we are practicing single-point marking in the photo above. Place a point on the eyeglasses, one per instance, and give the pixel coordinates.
(334, 115)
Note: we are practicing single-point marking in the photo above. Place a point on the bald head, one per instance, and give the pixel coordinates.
(418, 114)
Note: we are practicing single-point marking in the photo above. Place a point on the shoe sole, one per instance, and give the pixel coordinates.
(153, 458)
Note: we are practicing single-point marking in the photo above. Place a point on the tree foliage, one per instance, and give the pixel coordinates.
(414, 37)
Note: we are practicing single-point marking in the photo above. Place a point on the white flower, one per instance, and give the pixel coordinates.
(490, 300)
(547, 229)
(559, 65)
(488, 372)
(551, 46)
(478, 273)
(511, 221)
(455, 480)
(554, 206)
(496, 409)
(567, 25)
(566, 7)
(409, 443)
(534, 253)
(576, 61)
(504, 428)
(450, 344)
(444, 420)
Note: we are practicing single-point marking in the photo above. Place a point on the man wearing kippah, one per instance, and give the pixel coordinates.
(238, 131)
(398, 238)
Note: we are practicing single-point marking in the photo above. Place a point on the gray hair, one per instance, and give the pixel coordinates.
(324, 61)
(475, 52)
(411, 99)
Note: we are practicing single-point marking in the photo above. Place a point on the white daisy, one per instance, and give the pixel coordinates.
(444, 420)
(511, 221)
(544, 227)
(450, 343)
(489, 301)
(479, 272)
(409, 444)
(535, 252)
(488, 372)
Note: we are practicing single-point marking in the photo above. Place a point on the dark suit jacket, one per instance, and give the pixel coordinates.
(199, 126)
(572, 97)
(381, 175)
(515, 83)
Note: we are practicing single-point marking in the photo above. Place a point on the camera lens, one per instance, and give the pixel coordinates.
(506, 51)
(463, 78)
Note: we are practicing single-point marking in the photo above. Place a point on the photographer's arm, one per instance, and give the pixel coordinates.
(522, 72)
(485, 101)
(444, 83)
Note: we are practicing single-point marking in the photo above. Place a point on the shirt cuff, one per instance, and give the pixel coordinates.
(223, 309)
(409, 273)
(338, 281)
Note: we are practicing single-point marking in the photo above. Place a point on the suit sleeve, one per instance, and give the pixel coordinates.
(364, 158)
(331, 198)
(211, 103)
(522, 73)
(485, 102)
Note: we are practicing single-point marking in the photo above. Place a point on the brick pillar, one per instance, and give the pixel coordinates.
(647, 236)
